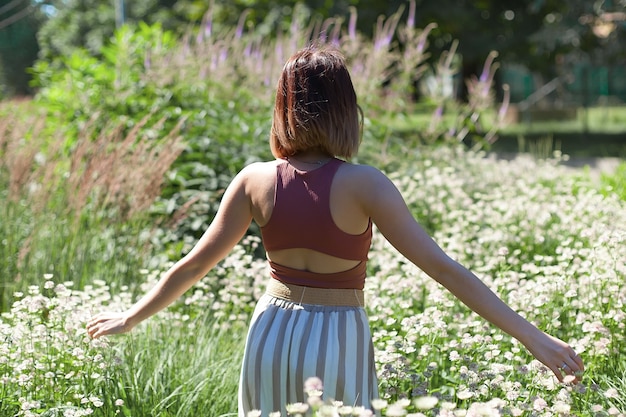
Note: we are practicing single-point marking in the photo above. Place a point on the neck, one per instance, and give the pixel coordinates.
(312, 158)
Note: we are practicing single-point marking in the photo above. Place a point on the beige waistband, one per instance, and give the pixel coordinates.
(318, 296)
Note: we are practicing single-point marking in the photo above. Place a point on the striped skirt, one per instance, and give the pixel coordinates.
(288, 342)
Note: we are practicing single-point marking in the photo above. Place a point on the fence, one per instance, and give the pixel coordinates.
(585, 85)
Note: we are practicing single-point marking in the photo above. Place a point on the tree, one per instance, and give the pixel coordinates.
(90, 24)
(19, 22)
(535, 33)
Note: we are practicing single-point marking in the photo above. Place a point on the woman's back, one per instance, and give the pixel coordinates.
(346, 211)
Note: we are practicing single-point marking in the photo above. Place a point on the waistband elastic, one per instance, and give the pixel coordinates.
(317, 296)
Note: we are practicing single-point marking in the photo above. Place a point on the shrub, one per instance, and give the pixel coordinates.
(221, 83)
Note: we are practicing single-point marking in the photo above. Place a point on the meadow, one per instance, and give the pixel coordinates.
(114, 170)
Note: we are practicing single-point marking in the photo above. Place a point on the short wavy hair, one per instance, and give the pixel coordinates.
(316, 106)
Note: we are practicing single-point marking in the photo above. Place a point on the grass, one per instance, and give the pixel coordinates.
(159, 380)
(542, 244)
(595, 119)
(600, 119)
(73, 213)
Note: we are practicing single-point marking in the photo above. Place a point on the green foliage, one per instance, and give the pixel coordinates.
(154, 375)
(18, 47)
(159, 382)
(90, 24)
(71, 211)
(133, 81)
(615, 183)
(34, 243)
(145, 74)
(115, 86)
(185, 361)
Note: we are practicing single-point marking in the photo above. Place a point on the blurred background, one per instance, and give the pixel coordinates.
(564, 61)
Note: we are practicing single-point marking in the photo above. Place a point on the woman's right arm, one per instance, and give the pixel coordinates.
(389, 212)
(227, 228)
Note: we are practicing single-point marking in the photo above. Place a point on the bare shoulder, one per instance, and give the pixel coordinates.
(259, 172)
(363, 175)
(259, 167)
(374, 191)
(258, 180)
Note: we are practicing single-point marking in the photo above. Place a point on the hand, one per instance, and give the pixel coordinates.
(557, 355)
(108, 323)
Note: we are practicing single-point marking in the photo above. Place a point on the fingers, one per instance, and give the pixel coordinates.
(93, 328)
(579, 362)
(104, 324)
(571, 364)
(99, 329)
(559, 357)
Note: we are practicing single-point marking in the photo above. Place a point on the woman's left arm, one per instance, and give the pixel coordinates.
(391, 215)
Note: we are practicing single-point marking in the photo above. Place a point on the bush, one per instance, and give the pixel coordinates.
(221, 84)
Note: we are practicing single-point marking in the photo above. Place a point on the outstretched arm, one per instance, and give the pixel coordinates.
(389, 212)
(228, 227)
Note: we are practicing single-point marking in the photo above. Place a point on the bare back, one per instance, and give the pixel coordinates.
(345, 207)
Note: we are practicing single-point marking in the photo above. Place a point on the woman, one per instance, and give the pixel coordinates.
(316, 213)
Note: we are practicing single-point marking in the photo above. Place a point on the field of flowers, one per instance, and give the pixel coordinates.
(541, 236)
(104, 180)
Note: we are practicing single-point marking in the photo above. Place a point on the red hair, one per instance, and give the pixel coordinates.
(316, 106)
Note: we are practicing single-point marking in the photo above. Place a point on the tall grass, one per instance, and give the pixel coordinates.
(76, 239)
(75, 212)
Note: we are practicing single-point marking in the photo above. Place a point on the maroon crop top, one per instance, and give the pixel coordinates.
(301, 218)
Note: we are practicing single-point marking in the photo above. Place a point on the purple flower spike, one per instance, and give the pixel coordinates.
(506, 100)
(411, 20)
(436, 117)
(240, 24)
(208, 28)
(279, 51)
(421, 45)
(335, 34)
(352, 23)
(388, 38)
(294, 27)
(487, 70)
(147, 61)
(325, 30)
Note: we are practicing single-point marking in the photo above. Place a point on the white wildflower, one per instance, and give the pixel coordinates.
(539, 404)
(313, 386)
(297, 408)
(379, 404)
(426, 403)
(464, 394)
